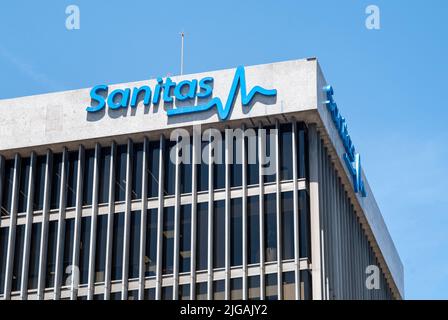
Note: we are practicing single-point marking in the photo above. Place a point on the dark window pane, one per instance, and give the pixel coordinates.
(18, 257)
(185, 238)
(236, 232)
(219, 167)
(33, 267)
(150, 294)
(100, 247)
(269, 153)
(202, 170)
(286, 151)
(270, 224)
(133, 295)
(39, 184)
(153, 168)
(185, 168)
(305, 285)
(7, 188)
(134, 245)
(236, 289)
(117, 246)
(304, 213)
(137, 173)
(3, 255)
(88, 177)
(271, 286)
(104, 176)
(167, 293)
(201, 291)
(184, 292)
(84, 250)
(72, 177)
(168, 240)
(219, 290)
(151, 242)
(120, 173)
(288, 286)
(67, 265)
(56, 180)
(115, 296)
(202, 239)
(170, 168)
(302, 150)
(219, 223)
(254, 287)
(98, 296)
(23, 186)
(51, 253)
(253, 222)
(236, 168)
(287, 225)
(252, 157)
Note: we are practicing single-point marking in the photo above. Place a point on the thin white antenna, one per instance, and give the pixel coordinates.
(182, 34)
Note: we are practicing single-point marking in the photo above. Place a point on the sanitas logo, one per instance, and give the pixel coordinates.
(184, 90)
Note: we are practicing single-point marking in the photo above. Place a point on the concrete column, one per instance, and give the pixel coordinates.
(227, 160)
(261, 157)
(162, 156)
(177, 194)
(278, 211)
(244, 212)
(295, 142)
(143, 216)
(210, 222)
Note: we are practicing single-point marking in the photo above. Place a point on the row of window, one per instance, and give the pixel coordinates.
(168, 238)
(152, 164)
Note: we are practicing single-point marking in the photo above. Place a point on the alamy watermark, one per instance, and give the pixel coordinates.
(73, 20)
(373, 19)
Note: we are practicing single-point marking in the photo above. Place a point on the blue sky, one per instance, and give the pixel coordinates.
(390, 83)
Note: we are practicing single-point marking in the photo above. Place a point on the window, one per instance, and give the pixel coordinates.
(185, 170)
(305, 285)
(167, 293)
(202, 239)
(219, 290)
(253, 169)
(23, 185)
(168, 240)
(287, 206)
(269, 154)
(304, 212)
(236, 168)
(201, 291)
(202, 169)
(137, 171)
(72, 178)
(151, 242)
(254, 287)
(51, 253)
(120, 173)
(56, 180)
(150, 294)
(271, 286)
(68, 250)
(185, 238)
(117, 247)
(236, 232)
(84, 250)
(7, 188)
(236, 289)
(286, 151)
(100, 247)
(33, 266)
(253, 237)
(104, 176)
(288, 286)
(302, 150)
(133, 295)
(39, 184)
(219, 167)
(170, 168)
(115, 295)
(134, 245)
(98, 296)
(219, 223)
(153, 168)
(87, 189)
(18, 257)
(270, 226)
(184, 292)
(3, 256)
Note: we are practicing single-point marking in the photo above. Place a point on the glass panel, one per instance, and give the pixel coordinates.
(269, 153)
(219, 290)
(72, 177)
(236, 232)
(254, 287)
(153, 168)
(99, 296)
(170, 168)
(39, 184)
(202, 170)
(167, 293)
(117, 246)
(87, 189)
(104, 177)
(252, 156)
(219, 167)
(100, 247)
(137, 173)
(305, 285)
(84, 250)
(236, 289)
(270, 224)
(33, 267)
(271, 286)
(185, 169)
(219, 223)
(7, 188)
(184, 292)
(51, 253)
(202, 239)
(56, 180)
(253, 238)
(288, 279)
(286, 151)
(287, 225)
(201, 291)
(3, 255)
(67, 264)
(168, 240)
(18, 257)
(185, 238)
(23, 186)
(150, 294)
(151, 242)
(302, 151)
(133, 295)
(236, 168)
(304, 212)
(115, 296)
(134, 245)
(120, 173)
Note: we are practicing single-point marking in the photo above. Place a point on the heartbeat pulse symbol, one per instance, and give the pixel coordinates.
(224, 111)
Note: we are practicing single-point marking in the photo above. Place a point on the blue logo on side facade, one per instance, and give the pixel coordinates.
(184, 90)
(351, 157)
